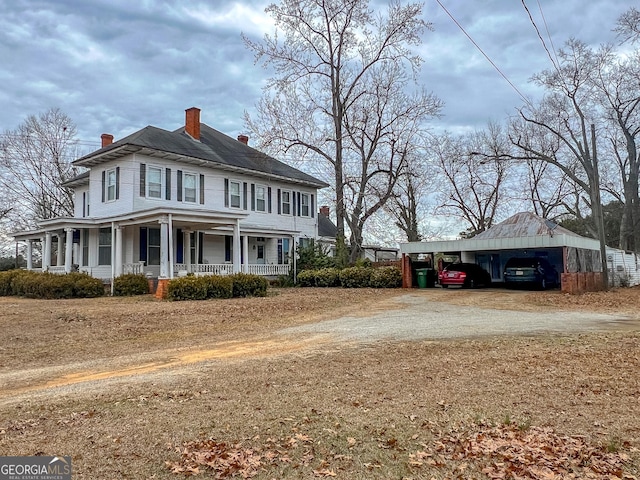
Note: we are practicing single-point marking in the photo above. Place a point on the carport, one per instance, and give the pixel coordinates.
(576, 258)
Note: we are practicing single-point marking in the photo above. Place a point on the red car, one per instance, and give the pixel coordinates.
(467, 275)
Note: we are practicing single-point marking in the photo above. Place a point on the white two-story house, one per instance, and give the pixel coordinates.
(170, 203)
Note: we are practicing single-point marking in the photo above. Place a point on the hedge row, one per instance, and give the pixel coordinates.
(216, 286)
(352, 277)
(24, 283)
(130, 284)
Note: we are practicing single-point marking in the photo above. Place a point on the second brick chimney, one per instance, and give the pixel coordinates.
(107, 139)
(243, 139)
(192, 122)
(324, 210)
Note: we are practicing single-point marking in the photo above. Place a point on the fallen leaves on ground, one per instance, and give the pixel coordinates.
(227, 460)
(517, 452)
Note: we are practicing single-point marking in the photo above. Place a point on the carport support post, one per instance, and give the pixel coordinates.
(407, 277)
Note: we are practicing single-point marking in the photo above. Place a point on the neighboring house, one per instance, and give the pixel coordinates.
(526, 234)
(170, 203)
(327, 233)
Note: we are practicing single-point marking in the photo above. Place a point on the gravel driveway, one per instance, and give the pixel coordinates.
(420, 318)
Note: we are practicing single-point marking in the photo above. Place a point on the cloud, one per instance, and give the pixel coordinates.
(115, 66)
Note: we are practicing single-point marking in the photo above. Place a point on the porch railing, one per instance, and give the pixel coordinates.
(135, 267)
(268, 270)
(56, 269)
(227, 269)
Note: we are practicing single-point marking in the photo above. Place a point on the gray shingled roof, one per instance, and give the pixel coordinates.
(326, 227)
(524, 224)
(214, 147)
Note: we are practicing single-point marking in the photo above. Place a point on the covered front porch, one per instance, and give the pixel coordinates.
(161, 244)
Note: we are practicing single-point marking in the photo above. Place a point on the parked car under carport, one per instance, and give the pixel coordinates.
(530, 271)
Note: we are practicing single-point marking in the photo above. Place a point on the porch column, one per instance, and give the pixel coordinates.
(236, 246)
(164, 247)
(29, 254)
(170, 242)
(118, 247)
(59, 257)
(245, 249)
(68, 257)
(75, 254)
(46, 251)
(186, 254)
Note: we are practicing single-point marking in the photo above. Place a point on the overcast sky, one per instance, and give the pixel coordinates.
(116, 66)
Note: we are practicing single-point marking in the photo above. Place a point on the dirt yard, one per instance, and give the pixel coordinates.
(137, 388)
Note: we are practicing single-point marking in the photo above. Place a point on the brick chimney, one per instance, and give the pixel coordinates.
(107, 139)
(324, 210)
(192, 122)
(243, 139)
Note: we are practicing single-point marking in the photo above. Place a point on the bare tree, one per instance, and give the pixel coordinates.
(566, 116)
(617, 82)
(335, 57)
(628, 26)
(474, 170)
(35, 159)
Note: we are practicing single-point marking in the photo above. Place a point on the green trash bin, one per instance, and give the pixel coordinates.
(422, 277)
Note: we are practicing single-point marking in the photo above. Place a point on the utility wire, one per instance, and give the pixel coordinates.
(485, 55)
(546, 27)
(539, 35)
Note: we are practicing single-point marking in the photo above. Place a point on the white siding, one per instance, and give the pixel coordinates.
(624, 268)
(129, 199)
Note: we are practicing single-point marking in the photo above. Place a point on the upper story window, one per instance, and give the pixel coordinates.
(305, 210)
(154, 182)
(111, 184)
(190, 182)
(235, 195)
(261, 198)
(286, 202)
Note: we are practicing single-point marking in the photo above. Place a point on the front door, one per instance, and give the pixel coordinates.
(260, 255)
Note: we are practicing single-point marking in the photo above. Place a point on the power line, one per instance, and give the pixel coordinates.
(483, 53)
(538, 32)
(546, 27)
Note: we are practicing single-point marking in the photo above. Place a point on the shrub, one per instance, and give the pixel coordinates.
(327, 277)
(6, 280)
(249, 285)
(283, 281)
(51, 286)
(355, 277)
(130, 284)
(84, 285)
(386, 277)
(219, 286)
(307, 278)
(188, 288)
